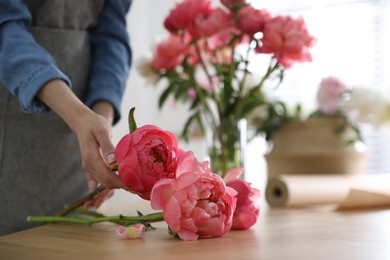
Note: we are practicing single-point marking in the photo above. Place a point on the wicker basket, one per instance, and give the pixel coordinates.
(313, 147)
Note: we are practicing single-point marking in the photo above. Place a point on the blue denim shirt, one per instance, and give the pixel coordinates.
(25, 66)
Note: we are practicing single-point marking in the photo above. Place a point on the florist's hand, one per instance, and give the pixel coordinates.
(99, 199)
(93, 132)
(97, 151)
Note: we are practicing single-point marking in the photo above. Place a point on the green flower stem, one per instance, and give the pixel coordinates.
(270, 70)
(207, 110)
(75, 205)
(202, 63)
(128, 220)
(81, 201)
(246, 62)
(203, 100)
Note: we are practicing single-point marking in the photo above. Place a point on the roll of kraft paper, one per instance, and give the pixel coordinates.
(298, 190)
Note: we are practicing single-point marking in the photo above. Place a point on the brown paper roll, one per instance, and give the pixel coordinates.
(296, 190)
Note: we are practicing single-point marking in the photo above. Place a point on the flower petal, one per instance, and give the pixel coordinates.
(233, 174)
(131, 232)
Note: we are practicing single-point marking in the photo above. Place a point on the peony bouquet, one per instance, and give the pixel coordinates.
(195, 202)
(206, 62)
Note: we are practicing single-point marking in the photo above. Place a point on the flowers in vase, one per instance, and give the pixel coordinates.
(206, 62)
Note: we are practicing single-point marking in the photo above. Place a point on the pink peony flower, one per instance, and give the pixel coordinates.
(223, 38)
(251, 20)
(208, 25)
(131, 232)
(329, 94)
(248, 200)
(169, 53)
(185, 13)
(146, 156)
(197, 204)
(288, 39)
(214, 48)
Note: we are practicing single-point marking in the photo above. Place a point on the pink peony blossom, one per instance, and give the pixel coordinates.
(185, 13)
(131, 232)
(146, 156)
(288, 39)
(169, 53)
(197, 204)
(222, 39)
(248, 199)
(251, 20)
(210, 24)
(329, 94)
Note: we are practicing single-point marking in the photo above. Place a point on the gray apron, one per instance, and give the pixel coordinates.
(40, 166)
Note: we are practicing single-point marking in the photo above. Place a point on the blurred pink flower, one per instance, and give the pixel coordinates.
(288, 39)
(251, 20)
(329, 94)
(248, 200)
(145, 156)
(197, 204)
(183, 14)
(223, 38)
(208, 25)
(192, 93)
(169, 53)
(130, 232)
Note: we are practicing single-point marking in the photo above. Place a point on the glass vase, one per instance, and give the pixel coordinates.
(226, 145)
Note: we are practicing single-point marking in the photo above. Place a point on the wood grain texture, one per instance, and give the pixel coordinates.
(304, 233)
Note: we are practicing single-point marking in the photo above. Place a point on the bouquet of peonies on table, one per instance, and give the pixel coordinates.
(195, 202)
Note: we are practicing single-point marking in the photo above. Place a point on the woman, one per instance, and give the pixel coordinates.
(71, 57)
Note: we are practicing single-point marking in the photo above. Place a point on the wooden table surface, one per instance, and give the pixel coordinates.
(305, 233)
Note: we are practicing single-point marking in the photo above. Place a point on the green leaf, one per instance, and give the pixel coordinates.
(172, 233)
(164, 96)
(132, 123)
(200, 123)
(186, 128)
(147, 225)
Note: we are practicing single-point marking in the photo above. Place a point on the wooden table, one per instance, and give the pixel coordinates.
(305, 233)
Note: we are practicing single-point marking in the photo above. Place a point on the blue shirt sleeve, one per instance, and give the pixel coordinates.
(24, 65)
(111, 56)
